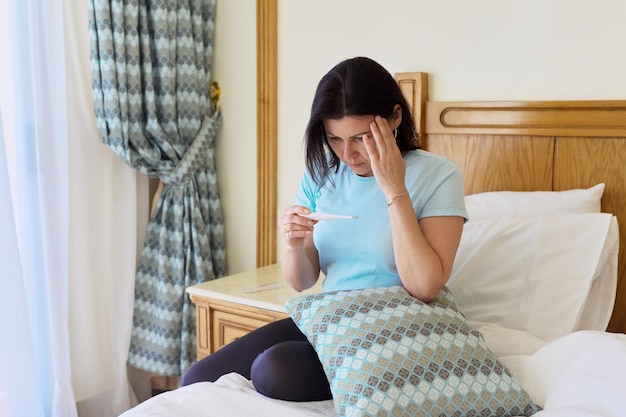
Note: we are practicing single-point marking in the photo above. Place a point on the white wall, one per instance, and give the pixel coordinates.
(234, 67)
(479, 50)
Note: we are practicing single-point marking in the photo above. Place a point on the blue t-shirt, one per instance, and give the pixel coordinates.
(358, 253)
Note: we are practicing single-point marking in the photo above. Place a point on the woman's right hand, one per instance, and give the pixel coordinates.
(294, 227)
(300, 264)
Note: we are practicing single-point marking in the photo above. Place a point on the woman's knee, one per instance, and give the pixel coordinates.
(290, 371)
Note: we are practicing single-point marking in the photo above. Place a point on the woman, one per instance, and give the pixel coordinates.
(363, 159)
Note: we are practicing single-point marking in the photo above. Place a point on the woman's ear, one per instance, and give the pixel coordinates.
(396, 117)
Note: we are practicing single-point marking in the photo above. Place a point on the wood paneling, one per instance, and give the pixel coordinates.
(497, 163)
(537, 118)
(267, 132)
(414, 86)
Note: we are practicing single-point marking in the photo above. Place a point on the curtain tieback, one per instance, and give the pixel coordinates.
(196, 156)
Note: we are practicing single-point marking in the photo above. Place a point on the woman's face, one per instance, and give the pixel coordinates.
(345, 137)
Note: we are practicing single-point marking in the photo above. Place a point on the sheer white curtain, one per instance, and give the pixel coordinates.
(72, 217)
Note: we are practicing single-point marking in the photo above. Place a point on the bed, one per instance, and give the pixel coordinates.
(539, 276)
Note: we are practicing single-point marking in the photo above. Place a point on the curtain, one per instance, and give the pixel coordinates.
(35, 378)
(109, 208)
(35, 357)
(71, 216)
(151, 69)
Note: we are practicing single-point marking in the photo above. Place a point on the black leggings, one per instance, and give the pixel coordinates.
(277, 358)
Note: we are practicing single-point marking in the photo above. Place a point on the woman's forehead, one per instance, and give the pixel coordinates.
(348, 125)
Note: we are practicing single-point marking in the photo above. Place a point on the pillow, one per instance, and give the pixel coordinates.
(531, 273)
(386, 353)
(598, 309)
(530, 203)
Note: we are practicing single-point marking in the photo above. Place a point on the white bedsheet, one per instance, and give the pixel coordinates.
(579, 375)
(231, 395)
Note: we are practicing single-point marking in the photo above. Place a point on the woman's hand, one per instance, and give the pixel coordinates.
(387, 162)
(300, 264)
(295, 228)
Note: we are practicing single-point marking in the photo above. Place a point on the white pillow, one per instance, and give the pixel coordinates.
(598, 309)
(532, 203)
(596, 314)
(530, 273)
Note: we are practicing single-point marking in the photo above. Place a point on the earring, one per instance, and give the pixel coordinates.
(395, 133)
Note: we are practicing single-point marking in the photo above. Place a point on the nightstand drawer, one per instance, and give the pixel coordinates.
(219, 322)
(228, 327)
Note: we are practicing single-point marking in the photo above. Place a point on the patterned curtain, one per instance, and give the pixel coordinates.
(151, 70)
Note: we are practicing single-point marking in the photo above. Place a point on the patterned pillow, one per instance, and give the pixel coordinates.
(386, 353)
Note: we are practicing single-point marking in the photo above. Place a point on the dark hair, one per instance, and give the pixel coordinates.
(354, 87)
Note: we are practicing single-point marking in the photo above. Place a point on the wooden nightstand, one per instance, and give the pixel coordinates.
(230, 307)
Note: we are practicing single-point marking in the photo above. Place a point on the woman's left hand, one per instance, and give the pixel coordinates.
(387, 162)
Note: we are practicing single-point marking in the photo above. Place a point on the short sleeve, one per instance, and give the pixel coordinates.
(446, 194)
(308, 192)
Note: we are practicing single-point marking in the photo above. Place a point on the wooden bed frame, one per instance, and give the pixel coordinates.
(531, 146)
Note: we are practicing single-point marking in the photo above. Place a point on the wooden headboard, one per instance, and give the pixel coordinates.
(531, 146)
